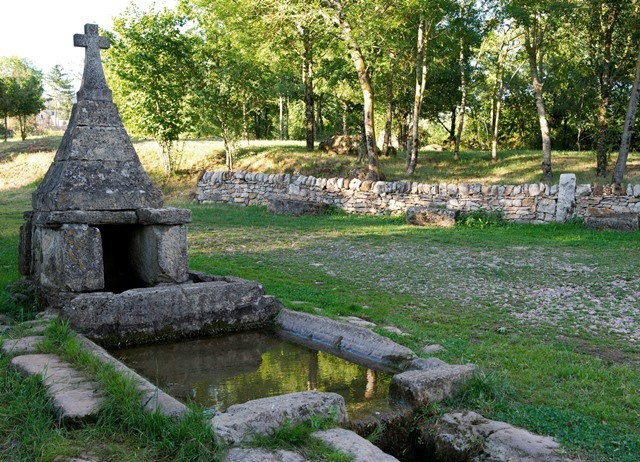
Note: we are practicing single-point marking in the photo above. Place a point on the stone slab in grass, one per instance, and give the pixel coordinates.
(470, 436)
(420, 387)
(350, 443)
(296, 208)
(357, 344)
(431, 216)
(261, 455)
(243, 422)
(21, 346)
(153, 399)
(75, 398)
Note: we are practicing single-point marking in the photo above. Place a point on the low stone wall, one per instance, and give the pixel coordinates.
(528, 203)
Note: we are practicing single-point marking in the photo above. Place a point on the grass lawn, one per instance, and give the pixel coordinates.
(551, 314)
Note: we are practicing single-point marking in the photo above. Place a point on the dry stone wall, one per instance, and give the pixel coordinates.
(527, 203)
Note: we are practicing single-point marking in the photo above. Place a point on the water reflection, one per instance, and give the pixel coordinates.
(229, 369)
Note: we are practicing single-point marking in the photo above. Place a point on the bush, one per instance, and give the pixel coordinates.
(481, 219)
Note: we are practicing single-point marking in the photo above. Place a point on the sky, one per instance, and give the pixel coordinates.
(42, 30)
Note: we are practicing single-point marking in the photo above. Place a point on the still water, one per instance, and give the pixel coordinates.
(219, 371)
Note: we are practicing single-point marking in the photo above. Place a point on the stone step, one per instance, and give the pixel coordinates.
(420, 387)
(21, 346)
(264, 416)
(76, 399)
(352, 444)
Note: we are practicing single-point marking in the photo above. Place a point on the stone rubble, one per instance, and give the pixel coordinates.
(468, 436)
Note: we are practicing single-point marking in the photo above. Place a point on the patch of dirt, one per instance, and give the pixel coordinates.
(606, 354)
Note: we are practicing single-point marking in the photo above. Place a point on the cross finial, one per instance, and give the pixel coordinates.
(94, 85)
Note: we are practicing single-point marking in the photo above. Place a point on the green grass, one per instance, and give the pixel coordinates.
(562, 380)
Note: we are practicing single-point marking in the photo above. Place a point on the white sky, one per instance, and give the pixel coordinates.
(42, 30)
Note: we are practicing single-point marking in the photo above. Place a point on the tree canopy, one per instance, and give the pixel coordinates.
(482, 74)
(21, 93)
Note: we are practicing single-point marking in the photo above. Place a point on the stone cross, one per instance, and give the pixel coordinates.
(94, 85)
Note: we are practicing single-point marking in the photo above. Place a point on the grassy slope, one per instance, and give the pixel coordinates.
(558, 378)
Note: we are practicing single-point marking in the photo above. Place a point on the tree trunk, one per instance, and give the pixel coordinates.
(629, 121)
(364, 79)
(403, 131)
(534, 63)
(245, 130)
(307, 78)
(281, 119)
(22, 121)
(345, 115)
(286, 120)
(421, 78)
(387, 128)
(607, 24)
(319, 125)
(496, 101)
(463, 88)
(6, 126)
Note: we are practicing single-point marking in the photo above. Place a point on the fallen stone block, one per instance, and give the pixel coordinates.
(353, 445)
(296, 208)
(617, 221)
(21, 346)
(420, 387)
(264, 416)
(422, 364)
(354, 343)
(468, 436)
(75, 398)
(423, 216)
(261, 455)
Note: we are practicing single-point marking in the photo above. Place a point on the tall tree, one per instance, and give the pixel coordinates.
(5, 102)
(24, 95)
(621, 162)
(539, 19)
(61, 92)
(152, 71)
(337, 15)
(604, 18)
(432, 13)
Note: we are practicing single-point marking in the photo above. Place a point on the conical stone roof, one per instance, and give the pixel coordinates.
(96, 166)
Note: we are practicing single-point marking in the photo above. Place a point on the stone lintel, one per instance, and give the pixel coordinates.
(90, 217)
(163, 216)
